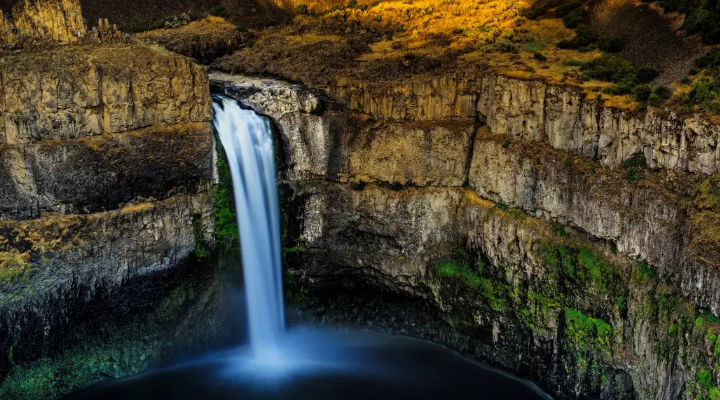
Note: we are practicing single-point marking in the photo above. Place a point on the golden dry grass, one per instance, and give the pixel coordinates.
(369, 39)
(137, 207)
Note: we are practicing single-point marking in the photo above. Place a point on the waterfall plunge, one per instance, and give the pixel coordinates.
(247, 140)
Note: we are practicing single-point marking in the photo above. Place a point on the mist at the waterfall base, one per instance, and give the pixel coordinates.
(302, 363)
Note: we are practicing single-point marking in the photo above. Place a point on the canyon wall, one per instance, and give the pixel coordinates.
(107, 164)
(573, 242)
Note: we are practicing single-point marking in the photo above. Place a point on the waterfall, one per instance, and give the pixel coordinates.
(247, 140)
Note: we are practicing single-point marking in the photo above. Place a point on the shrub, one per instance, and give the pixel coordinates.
(703, 92)
(663, 92)
(539, 56)
(655, 100)
(533, 13)
(707, 87)
(647, 74)
(704, 378)
(301, 9)
(700, 17)
(642, 92)
(218, 11)
(634, 164)
(609, 68)
(659, 95)
(610, 44)
(566, 8)
(709, 60)
(574, 18)
(584, 37)
(627, 78)
(178, 21)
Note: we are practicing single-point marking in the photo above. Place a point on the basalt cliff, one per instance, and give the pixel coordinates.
(106, 170)
(552, 234)
(566, 241)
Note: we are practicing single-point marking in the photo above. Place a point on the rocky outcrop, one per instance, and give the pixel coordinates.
(43, 21)
(340, 146)
(99, 173)
(107, 163)
(56, 20)
(520, 307)
(106, 89)
(533, 110)
(204, 40)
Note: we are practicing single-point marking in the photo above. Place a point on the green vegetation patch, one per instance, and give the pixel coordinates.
(480, 278)
(226, 228)
(585, 332)
(457, 268)
(705, 90)
(701, 17)
(704, 378)
(580, 265)
(628, 78)
(634, 166)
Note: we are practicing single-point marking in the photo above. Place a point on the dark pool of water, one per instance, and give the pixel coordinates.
(322, 365)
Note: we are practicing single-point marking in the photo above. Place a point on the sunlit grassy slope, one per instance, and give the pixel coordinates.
(494, 31)
(390, 39)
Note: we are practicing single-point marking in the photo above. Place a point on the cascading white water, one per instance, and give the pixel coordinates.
(247, 140)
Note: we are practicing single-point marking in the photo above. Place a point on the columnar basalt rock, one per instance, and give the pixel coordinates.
(107, 89)
(341, 146)
(395, 239)
(7, 30)
(642, 219)
(51, 20)
(107, 161)
(533, 110)
(519, 221)
(64, 262)
(95, 174)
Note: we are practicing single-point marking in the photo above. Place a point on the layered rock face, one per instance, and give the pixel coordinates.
(108, 89)
(535, 111)
(524, 212)
(44, 21)
(106, 169)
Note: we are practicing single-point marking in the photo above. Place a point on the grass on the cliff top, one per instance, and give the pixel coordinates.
(390, 39)
(434, 27)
